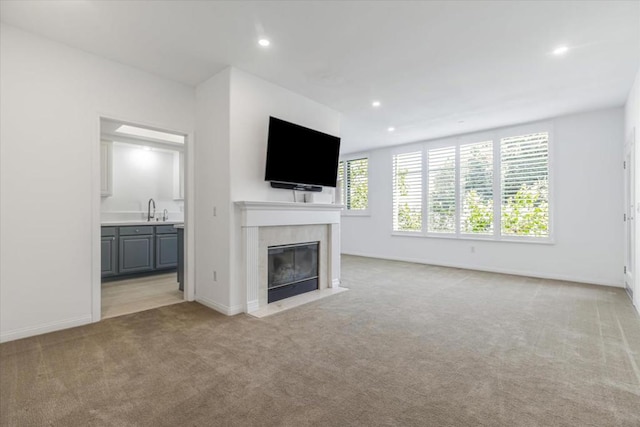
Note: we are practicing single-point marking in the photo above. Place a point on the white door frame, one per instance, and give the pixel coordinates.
(630, 244)
(189, 216)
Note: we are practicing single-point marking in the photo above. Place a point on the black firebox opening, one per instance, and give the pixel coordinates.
(292, 270)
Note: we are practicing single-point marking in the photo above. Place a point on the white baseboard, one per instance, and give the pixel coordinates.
(537, 274)
(45, 328)
(220, 308)
(253, 306)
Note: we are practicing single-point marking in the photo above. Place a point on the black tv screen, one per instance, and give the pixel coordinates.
(299, 155)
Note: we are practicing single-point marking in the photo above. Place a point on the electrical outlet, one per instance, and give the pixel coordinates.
(215, 276)
(214, 211)
(473, 249)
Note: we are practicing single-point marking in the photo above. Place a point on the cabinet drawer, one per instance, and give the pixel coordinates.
(107, 231)
(134, 230)
(165, 229)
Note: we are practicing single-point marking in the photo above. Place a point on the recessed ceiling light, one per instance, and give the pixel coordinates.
(391, 128)
(375, 104)
(264, 42)
(560, 50)
(146, 148)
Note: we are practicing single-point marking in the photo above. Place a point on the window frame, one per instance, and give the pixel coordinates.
(495, 135)
(348, 158)
(548, 127)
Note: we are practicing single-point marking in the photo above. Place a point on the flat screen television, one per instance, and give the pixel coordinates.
(300, 158)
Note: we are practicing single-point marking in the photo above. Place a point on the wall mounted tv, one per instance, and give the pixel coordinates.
(300, 158)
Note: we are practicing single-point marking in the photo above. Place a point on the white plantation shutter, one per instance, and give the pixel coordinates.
(441, 215)
(476, 188)
(356, 184)
(407, 191)
(524, 185)
(341, 183)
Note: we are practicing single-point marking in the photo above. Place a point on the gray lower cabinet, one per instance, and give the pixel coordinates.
(108, 252)
(135, 253)
(134, 250)
(166, 251)
(181, 258)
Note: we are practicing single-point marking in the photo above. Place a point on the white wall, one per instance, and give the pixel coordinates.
(233, 112)
(138, 175)
(631, 124)
(253, 100)
(587, 153)
(50, 99)
(212, 192)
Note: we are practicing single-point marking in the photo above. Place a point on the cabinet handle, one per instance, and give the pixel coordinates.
(113, 238)
(137, 230)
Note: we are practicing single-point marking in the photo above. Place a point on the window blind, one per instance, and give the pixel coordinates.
(356, 185)
(476, 188)
(407, 191)
(340, 182)
(524, 185)
(441, 202)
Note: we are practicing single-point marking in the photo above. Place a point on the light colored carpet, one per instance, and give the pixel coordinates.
(408, 345)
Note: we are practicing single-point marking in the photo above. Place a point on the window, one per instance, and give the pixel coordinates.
(525, 185)
(476, 188)
(354, 192)
(497, 188)
(407, 191)
(441, 214)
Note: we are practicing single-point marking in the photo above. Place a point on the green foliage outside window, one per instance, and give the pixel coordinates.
(477, 201)
(408, 219)
(478, 213)
(442, 202)
(358, 191)
(527, 212)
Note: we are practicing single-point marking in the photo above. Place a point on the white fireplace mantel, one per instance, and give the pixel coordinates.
(264, 214)
(256, 215)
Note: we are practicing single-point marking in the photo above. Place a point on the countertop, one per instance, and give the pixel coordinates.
(124, 223)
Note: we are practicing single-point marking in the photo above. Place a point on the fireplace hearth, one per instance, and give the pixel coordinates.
(292, 270)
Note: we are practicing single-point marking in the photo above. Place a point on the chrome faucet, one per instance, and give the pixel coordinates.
(149, 214)
(165, 214)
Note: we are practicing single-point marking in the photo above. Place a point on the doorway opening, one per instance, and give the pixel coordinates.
(142, 218)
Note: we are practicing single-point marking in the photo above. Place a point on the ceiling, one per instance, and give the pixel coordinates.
(438, 68)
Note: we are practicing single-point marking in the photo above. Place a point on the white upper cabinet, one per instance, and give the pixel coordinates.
(178, 175)
(106, 168)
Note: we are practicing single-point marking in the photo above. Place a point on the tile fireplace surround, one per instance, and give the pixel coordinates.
(267, 224)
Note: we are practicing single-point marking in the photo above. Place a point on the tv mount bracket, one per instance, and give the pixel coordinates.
(298, 187)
